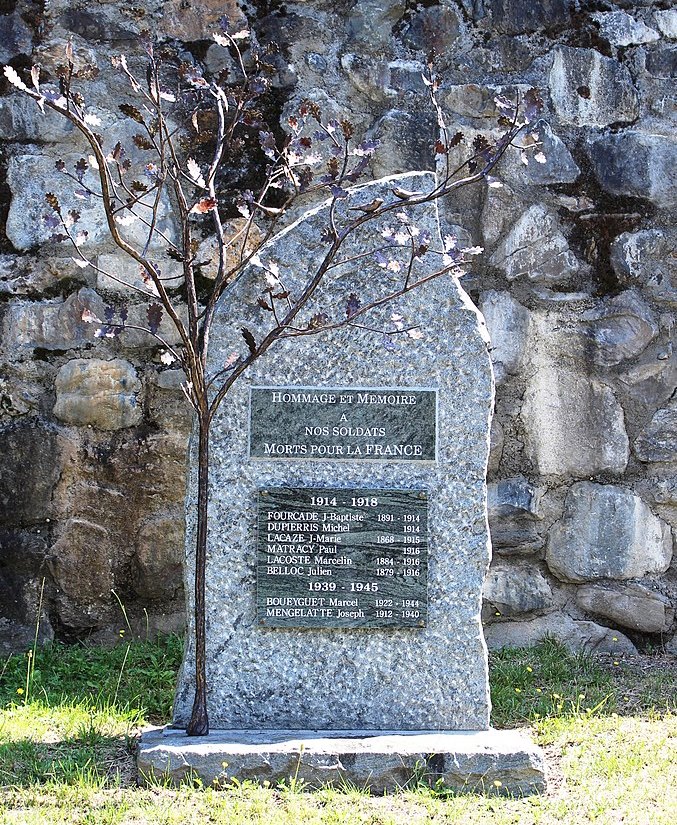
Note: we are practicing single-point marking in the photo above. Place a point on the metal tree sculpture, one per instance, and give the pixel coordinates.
(190, 132)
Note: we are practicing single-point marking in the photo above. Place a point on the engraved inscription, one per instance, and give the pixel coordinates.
(382, 424)
(342, 558)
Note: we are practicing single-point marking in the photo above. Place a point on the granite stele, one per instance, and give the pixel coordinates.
(348, 536)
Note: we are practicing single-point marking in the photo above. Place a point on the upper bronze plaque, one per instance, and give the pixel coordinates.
(343, 423)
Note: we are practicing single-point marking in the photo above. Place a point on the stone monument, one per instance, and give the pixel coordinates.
(348, 538)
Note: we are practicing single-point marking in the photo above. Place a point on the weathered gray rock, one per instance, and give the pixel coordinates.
(588, 89)
(372, 21)
(432, 28)
(508, 325)
(662, 63)
(28, 276)
(117, 272)
(667, 22)
(405, 137)
(241, 237)
(520, 16)
(558, 166)
(658, 442)
(512, 589)
(664, 490)
(193, 19)
(513, 506)
(22, 572)
(495, 446)
(26, 229)
(492, 762)
(536, 249)
(470, 100)
(502, 207)
(652, 381)
(639, 164)
(629, 605)
(82, 567)
(30, 464)
(621, 29)
(574, 425)
(620, 329)
(99, 393)
(53, 325)
(382, 80)
(26, 176)
(513, 496)
(606, 532)
(157, 562)
(355, 680)
(15, 36)
(575, 635)
(167, 405)
(515, 536)
(648, 258)
(21, 118)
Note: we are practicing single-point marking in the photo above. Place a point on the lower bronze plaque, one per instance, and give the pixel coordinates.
(342, 558)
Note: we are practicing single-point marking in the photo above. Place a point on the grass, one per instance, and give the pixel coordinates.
(66, 753)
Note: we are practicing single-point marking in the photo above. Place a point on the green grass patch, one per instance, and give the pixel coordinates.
(67, 751)
(547, 681)
(139, 675)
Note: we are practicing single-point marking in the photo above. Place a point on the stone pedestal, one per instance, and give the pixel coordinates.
(490, 761)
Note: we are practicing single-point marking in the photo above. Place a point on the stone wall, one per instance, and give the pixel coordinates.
(578, 286)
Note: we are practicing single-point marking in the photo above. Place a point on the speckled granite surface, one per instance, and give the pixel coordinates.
(434, 678)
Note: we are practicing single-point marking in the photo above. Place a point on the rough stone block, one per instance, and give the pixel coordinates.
(630, 605)
(53, 325)
(512, 589)
(30, 464)
(588, 89)
(621, 29)
(651, 382)
(662, 63)
(523, 16)
(620, 329)
(536, 249)
(21, 118)
(649, 259)
(513, 496)
(667, 22)
(574, 425)
(639, 164)
(658, 442)
(432, 29)
(15, 36)
(82, 567)
(406, 143)
(575, 635)
(22, 569)
(157, 562)
(190, 20)
(492, 761)
(96, 392)
(26, 176)
(606, 532)
(118, 272)
(495, 446)
(508, 325)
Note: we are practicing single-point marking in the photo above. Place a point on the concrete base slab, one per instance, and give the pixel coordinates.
(491, 761)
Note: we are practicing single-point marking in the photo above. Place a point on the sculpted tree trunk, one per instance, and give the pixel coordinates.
(199, 722)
